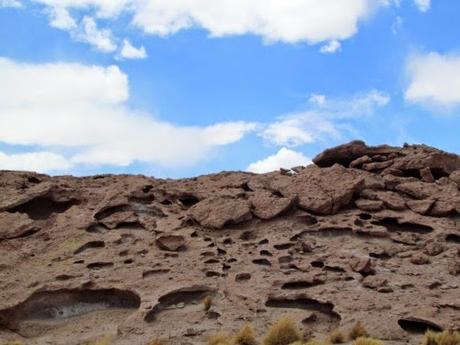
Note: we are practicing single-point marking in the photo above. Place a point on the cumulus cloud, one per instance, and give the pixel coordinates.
(308, 21)
(10, 3)
(331, 47)
(89, 32)
(324, 119)
(60, 18)
(434, 79)
(128, 51)
(423, 5)
(284, 158)
(34, 161)
(80, 112)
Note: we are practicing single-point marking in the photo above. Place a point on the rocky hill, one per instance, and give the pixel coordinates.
(368, 234)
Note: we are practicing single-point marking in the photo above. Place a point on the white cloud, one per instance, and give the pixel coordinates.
(128, 51)
(423, 5)
(309, 21)
(331, 47)
(101, 39)
(60, 18)
(10, 3)
(434, 79)
(34, 161)
(326, 118)
(317, 99)
(80, 112)
(284, 158)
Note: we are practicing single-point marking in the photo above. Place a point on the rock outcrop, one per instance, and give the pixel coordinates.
(368, 234)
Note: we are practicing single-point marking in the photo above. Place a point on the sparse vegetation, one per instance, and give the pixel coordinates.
(447, 337)
(245, 336)
(156, 342)
(220, 338)
(337, 337)
(367, 341)
(101, 341)
(207, 303)
(283, 332)
(357, 331)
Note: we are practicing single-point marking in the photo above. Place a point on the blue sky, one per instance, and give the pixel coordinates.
(186, 87)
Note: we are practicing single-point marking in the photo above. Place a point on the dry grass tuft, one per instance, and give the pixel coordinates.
(430, 338)
(207, 303)
(283, 332)
(337, 337)
(357, 331)
(101, 341)
(156, 342)
(367, 341)
(447, 337)
(220, 338)
(245, 336)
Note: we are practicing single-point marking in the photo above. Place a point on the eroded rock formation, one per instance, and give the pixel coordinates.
(368, 234)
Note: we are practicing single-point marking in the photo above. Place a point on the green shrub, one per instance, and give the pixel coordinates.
(283, 332)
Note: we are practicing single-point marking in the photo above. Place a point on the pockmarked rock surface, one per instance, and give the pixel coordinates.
(368, 234)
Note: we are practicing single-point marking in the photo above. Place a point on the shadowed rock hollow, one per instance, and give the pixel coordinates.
(368, 234)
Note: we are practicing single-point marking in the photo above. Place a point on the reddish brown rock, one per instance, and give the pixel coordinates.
(362, 265)
(133, 257)
(419, 259)
(268, 205)
(172, 243)
(218, 212)
(15, 225)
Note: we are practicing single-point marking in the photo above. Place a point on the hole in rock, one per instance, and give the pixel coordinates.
(336, 269)
(317, 264)
(63, 304)
(153, 272)
(43, 207)
(138, 208)
(411, 173)
(304, 303)
(278, 194)
(453, 238)
(263, 262)
(414, 325)
(99, 265)
(130, 226)
(365, 216)
(33, 179)
(189, 200)
(97, 229)
(246, 188)
(265, 253)
(393, 226)
(188, 296)
(283, 246)
(212, 274)
(147, 188)
(90, 245)
(438, 173)
(301, 284)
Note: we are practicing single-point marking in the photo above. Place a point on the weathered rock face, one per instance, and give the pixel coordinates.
(368, 233)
